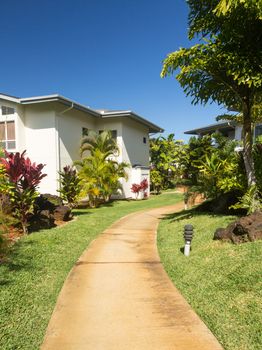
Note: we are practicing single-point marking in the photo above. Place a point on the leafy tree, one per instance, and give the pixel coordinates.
(24, 178)
(195, 153)
(156, 180)
(226, 68)
(213, 167)
(165, 155)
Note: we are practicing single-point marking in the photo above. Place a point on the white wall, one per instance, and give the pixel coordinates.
(135, 151)
(238, 132)
(69, 126)
(41, 142)
(112, 124)
(139, 174)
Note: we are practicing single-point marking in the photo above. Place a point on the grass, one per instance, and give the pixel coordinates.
(38, 264)
(221, 281)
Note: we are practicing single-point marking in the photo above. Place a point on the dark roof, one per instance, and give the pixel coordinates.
(226, 125)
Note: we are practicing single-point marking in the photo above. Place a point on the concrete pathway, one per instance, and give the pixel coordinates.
(118, 296)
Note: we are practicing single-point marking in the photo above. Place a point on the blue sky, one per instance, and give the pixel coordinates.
(106, 54)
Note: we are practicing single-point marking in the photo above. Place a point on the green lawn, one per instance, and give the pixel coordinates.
(39, 264)
(221, 281)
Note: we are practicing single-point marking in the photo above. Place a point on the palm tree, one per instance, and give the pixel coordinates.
(100, 176)
(102, 141)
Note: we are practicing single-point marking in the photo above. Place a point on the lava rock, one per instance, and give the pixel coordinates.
(42, 220)
(245, 229)
(62, 213)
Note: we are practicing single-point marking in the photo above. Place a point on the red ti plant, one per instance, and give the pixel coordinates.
(25, 177)
(136, 189)
(142, 187)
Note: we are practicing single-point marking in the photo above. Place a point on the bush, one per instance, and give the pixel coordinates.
(23, 179)
(142, 187)
(70, 185)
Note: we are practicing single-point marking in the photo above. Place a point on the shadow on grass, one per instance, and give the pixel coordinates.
(15, 261)
(181, 215)
(80, 212)
(190, 213)
(88, 210)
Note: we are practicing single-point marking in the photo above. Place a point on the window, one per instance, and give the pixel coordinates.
(113, 133)
(144, 139)
(84, 132)
(7, 110)
(7, 135)
(258, 131)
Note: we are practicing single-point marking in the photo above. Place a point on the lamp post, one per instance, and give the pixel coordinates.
(188, 235)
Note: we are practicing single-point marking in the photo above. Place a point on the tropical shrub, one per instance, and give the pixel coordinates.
(166, 156)
(195, 152)
(135, 188)
(257, 154)
(156, 180)
(140, 188)
(24, 178)
(251, 201)
(70, 185)
(99, 172)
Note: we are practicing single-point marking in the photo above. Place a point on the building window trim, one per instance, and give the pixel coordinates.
(8, 143)
(7, 118)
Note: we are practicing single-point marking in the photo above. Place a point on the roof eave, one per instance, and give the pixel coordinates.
(153, 128)
(212, 127)
(61, 99)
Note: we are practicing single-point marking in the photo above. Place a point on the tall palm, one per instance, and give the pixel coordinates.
(104, 142)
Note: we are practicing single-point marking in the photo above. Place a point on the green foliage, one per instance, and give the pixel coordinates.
(257, 152)
(23, 179)
(213, 167)
(195, 153)
(227, 6)
(156, 180)
(6, 187)
(226, 68)
(166, 160)
(70, 185)
(251, 201)
(211, 170)
(98, 171)
(102, 141)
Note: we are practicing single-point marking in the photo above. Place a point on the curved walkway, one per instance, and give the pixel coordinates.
(118, 296)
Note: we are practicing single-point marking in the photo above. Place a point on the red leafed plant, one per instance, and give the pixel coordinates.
(136, 188)
(24, 176)
(142, 187)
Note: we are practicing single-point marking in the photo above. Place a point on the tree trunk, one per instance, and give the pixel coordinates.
(248, 143)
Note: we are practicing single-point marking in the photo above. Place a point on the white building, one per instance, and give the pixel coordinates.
(50, 128)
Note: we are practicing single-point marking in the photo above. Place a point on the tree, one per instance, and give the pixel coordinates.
(99, 171)
(227, 67)
(102, 141)
(196, 151)
(165, 156)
